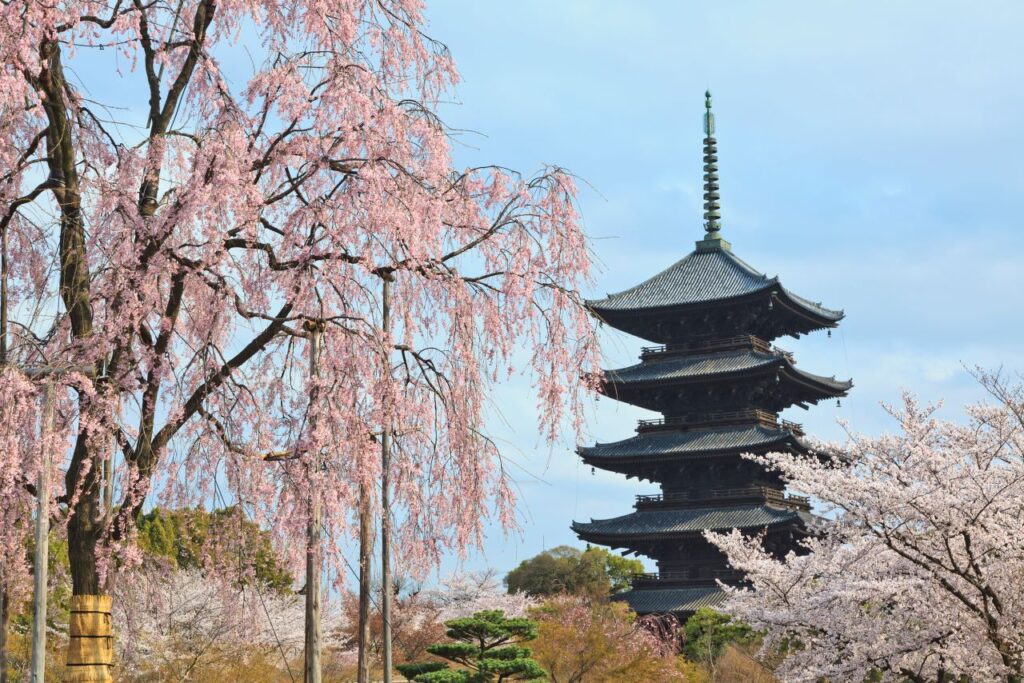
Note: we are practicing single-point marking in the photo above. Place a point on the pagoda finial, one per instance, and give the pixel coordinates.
(709, 118)
(712, 211)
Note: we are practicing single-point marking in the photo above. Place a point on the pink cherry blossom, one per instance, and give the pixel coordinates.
(187, 187)
(916, 570)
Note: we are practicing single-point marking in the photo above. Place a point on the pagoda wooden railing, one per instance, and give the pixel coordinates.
(734, 417)
(718, 495)
(744, 341)
(683, 575)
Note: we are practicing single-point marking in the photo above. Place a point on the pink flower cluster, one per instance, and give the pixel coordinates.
(916, 571)
(224, 176)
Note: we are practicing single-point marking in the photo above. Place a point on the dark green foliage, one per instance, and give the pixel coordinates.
(594, 572)
(444, 676)
(708, 632)
(411, 671)
(222, 539)
(487, 645)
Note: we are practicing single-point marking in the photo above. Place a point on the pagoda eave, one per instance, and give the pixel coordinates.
(679, 445)
(678, 601)
(781, 312)
(658, 525)
(781, 383)
(620, 540)
(643, 466)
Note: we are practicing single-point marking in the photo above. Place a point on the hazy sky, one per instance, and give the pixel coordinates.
(871, 156)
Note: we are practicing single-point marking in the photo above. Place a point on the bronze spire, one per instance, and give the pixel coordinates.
(712, 210)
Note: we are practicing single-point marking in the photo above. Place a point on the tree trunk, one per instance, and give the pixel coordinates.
(90, 645)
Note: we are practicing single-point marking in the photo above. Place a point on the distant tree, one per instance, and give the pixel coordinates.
(487, 645)
(565, 569)
(186, 625)
(222, 540)
(620, 570)
(583, 640)
(708, 633)
(462, 595)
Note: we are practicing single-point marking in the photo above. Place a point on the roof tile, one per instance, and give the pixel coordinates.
(656, 444)
(669, 600)
(701, 276)
(688, 520)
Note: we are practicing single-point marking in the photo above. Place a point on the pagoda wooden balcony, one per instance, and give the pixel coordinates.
(734, 417)
(723, 497)
(685, 577)
(744, 341)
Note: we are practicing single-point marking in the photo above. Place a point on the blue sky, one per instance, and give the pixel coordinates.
(871, 156)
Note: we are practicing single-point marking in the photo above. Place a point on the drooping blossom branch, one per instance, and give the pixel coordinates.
(188, 211)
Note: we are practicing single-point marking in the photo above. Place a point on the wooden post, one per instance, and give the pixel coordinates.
(365, 556)
(42, 543)
(4, 618)
(312, 648)
(4, 597)
(385, 501)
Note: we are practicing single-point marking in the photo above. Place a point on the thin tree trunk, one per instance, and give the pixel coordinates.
(365, 557)
(385, 501)
(312, 649)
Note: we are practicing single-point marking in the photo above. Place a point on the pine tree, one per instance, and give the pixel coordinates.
(487, 644)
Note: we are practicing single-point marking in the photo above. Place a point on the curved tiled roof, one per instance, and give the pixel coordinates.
(669, 600)
(666, 443)
(646, 523)
(704, 365)
(680, 367)
(702, 276)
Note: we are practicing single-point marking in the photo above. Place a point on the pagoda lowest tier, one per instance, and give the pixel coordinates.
(719, 384)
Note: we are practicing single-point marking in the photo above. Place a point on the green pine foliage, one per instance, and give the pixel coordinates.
(487, 645)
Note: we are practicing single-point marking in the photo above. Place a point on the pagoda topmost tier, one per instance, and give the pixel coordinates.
(712, 294)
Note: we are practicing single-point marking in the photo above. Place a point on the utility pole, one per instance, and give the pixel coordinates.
(385, 501)
(108, 474)
(42, 541)
(312, 649)
(365, 555)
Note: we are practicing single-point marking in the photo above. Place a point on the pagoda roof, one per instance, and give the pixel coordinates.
(670, 443)
(704, 276)
(647, 524)
(701, 366)
(672, 600)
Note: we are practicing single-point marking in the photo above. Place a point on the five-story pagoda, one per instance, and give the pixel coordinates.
(720, 384)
